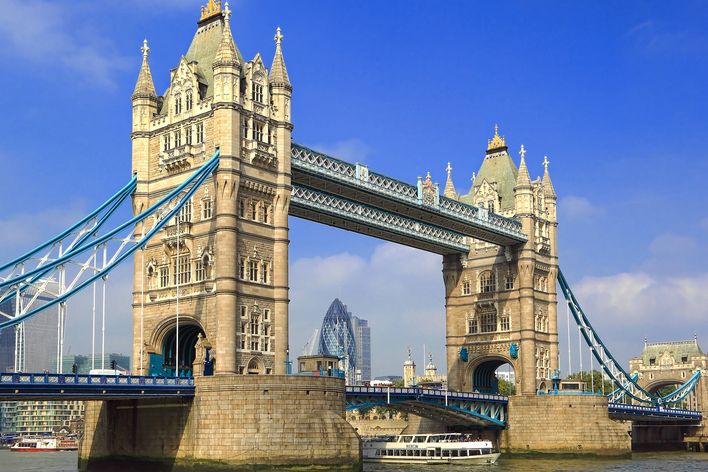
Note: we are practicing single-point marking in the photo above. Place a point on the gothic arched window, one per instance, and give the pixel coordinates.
(488, 321)
(487, 282)
(189, 100)
(466, 287)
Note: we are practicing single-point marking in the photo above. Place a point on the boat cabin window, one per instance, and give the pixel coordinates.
(420, 439)
(406, 438)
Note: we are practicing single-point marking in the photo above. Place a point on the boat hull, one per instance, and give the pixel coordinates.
(481, 459)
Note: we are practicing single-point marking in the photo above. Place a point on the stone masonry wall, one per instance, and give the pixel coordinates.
(233, 420)
(564, 424)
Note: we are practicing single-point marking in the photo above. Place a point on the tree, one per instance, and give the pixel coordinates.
(506, 388)
(595, 381)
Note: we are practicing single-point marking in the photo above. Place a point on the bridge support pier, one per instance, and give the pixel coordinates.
(232, 421)
(564, 424)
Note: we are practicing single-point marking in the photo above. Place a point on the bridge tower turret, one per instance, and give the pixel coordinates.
(223, 268)
(501, 301)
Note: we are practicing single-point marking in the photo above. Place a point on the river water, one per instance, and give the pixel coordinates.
(669, 462)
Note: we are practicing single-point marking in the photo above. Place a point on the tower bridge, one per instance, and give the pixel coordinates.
(216, 176)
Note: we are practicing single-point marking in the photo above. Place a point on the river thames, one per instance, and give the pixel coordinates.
(673, 462)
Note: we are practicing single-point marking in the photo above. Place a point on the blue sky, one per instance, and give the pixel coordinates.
(614, 93)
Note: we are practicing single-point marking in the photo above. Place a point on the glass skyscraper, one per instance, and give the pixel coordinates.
(347, 337)
(337, 338)
(362, 336)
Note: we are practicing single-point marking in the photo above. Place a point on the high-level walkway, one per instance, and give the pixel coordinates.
(352, 197)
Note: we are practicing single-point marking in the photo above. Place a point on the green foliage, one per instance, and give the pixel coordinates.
(506, 388)
(595, 381)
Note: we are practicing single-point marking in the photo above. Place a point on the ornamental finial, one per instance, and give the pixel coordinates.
(497, 141)
(522, 152)
(448, 169)
(227, 11)
(212, 8)
(278, 36)
(145, 49)
(545, 162)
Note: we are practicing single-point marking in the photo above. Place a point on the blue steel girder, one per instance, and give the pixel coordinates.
(356, 183)
(622, 411)
(334, 210)
(452, 408)
(29, 386)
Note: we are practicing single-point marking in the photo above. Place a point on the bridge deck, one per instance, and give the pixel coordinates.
(620, 411)
(27, 386)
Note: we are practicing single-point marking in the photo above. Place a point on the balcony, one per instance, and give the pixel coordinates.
(179, 158)
(543, 245)
(259, 153)
(171, 235)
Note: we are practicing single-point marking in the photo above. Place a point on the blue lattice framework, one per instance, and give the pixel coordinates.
(356, 183)
(654, 413)
(333, 210)
(451, 408)
(24, 386)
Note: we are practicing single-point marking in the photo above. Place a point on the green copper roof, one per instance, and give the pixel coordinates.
(497, 167)
(677, 350)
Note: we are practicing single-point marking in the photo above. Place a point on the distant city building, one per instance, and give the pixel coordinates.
(362, 336)
(337, 338)
(312, 345)
(430, 377)
(40, 339)
(507, 376)
(84, 363)
(39, 417)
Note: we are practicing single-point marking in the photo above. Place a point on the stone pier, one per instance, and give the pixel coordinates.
(570, 424)
(234, 421)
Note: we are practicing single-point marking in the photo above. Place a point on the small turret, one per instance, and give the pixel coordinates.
(226, 54)
(449, 191)
(523, 190)
(548, 189)
(281, 89)
(278, 73)
(144, 87)
(409, 371)
(226, 65)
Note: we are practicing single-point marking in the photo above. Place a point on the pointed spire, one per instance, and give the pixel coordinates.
(523, 179)
(226, 54)
(145, 87)
(546, 182)
(449, 191)
(278, 72)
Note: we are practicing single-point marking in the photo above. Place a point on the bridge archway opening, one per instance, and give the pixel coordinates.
(164, 364)
(494, 375)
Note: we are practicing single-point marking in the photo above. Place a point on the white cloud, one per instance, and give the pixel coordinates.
(398, 289)
(350, 150)
(44, 33)
(578, 208)
(626, 307)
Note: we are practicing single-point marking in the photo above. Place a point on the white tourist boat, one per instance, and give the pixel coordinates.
(50, 444)
(429, 449)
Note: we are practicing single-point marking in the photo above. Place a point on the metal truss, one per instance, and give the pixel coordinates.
(654, 413)
(332, 205)
(91, 387)
(474, 408)
(13, 275)
(94, 256)
(628, 385)
(359, 175)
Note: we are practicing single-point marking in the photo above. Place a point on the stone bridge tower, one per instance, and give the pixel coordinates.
(668, 365)
(501, 301)
(226, 269)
